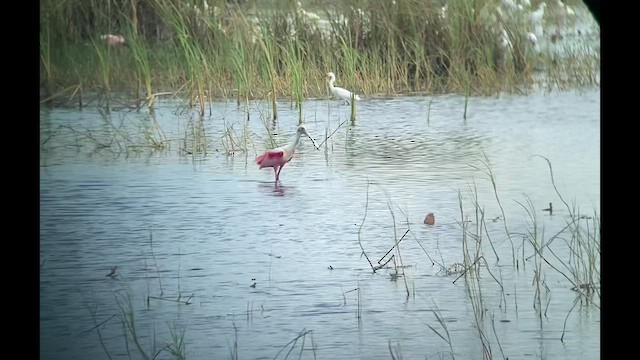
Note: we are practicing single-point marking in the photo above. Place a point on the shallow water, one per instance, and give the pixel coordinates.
(217, 222)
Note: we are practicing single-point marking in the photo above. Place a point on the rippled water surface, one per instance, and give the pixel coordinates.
(195, 221)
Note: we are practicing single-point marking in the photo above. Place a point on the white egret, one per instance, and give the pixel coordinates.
(537, 20)
(339, 92)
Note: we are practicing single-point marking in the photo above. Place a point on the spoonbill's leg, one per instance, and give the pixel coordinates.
(278, 174)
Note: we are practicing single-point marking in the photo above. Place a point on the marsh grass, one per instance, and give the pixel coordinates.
(296, 69)
(127, 316)
(97, 327)
(195, 131)
(443, 324)
(176, 347)
(46, 69)
(104, 53)
(568, 67)
(472, 282)
(137, 344)
(353, 110)
(119, 133)
(291, 345)
(583, 266)
(238, 143)
(395, 351)
(487, 169)
(579, 238)
(396, 259)
(378, 47)
(140, 52)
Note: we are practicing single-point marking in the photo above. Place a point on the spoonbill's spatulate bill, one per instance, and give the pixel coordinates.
(339, 92)
(278, 157)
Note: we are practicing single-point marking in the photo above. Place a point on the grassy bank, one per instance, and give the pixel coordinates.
(283, 49)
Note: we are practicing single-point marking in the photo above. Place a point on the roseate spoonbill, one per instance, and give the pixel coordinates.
(343, 94)
(278, 157)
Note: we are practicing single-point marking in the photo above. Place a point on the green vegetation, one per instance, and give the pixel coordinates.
(280, 49)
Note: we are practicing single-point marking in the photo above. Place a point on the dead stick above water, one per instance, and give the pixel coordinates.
(334, 131)
(385, 263)
(189, 298)
(467, 269)
(393, 247)
(174, 300)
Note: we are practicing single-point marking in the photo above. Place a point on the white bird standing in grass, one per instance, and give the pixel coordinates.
(343, 94)
(537, 20)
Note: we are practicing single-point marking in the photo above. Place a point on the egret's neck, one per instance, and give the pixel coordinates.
(331, 82)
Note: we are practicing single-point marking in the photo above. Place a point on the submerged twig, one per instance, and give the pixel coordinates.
(393, 247)
(154, 260)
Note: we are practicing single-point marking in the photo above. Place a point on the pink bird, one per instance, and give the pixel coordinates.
(278, 157)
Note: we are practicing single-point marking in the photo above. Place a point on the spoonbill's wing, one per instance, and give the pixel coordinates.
(270, 157)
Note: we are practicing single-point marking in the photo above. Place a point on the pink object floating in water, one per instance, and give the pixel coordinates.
(430, 219)
(278, 157)
(113, 40)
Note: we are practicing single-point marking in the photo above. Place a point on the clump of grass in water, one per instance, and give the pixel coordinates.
(177, 346)
(302, 335)
(233, 143)
(488, 171)
(443, 324)
(582, 270)
(474, 290)
(581, 236)
(584, 261)
(474, 262)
